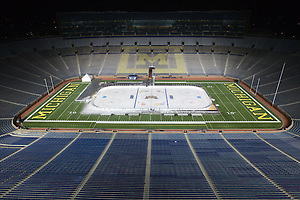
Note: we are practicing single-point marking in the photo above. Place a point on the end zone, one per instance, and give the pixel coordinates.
(251, 103)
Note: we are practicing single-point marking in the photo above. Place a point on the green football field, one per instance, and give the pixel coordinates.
(238, 109)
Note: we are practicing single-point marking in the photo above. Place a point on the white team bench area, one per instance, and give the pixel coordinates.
(162, 99)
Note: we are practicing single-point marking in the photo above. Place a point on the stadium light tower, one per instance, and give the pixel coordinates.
(52, 83)
(252, 82)
(46, 85)
(278, 84)
(257, 86)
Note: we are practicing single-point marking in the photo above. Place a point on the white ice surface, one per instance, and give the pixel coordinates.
(161, 99)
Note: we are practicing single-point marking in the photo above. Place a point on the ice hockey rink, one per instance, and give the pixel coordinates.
(120, 100)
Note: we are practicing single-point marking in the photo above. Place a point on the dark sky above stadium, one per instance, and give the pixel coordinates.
(45, 9)
(277, 16)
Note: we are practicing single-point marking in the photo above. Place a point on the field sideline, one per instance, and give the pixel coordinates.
(238, 109)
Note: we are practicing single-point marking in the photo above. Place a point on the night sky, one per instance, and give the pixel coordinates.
(46, 9)
(273, 14)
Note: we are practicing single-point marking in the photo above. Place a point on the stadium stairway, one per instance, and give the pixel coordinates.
(296, 127)
(6, 126)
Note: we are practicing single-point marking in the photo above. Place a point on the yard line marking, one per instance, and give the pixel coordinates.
(98, 118)
(48, 101)
(233, 104)
(78, 117)
(66, 100)
(107, 118)
(204, 121)
(94, 125)
(258, 102)
(82, 92)
(220, 101)
(243, 106)
(74, 109)
(63, 111)
(228, 100)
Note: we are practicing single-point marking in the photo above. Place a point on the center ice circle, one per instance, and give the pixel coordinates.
(111, 102)
(186, 92)
(151, 97)
(116, 92)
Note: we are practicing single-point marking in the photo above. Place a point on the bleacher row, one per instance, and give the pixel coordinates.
(296, 127)
(119, 166)
(6, 126)
(41, 44)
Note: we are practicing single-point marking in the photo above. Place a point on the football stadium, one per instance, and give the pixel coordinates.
(173, 105)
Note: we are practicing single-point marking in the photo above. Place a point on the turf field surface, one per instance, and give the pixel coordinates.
(238, 109)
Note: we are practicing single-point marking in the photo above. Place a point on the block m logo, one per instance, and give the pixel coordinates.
(158, 59)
